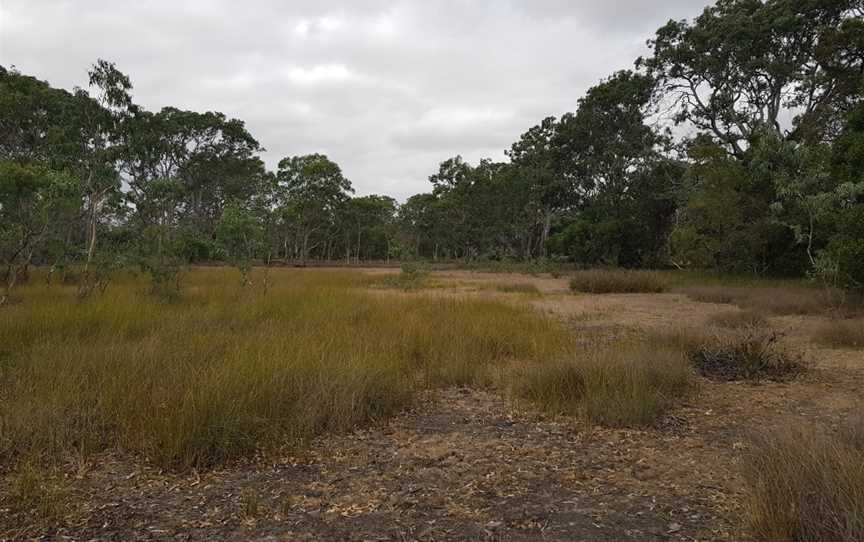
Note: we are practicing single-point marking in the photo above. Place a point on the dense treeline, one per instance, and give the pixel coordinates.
(737, 145)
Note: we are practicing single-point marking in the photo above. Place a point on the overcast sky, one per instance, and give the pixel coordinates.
(388, 89)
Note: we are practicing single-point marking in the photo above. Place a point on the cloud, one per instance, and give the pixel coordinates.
(387, 88)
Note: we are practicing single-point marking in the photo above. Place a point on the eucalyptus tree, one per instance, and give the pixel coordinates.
(100, 119)
(619, 174)
(791, 66)
(311, 189)
(36, 204)
(538, 157)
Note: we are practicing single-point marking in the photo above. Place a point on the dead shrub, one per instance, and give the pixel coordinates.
(749, 353)
(617, 281)
(807, 485)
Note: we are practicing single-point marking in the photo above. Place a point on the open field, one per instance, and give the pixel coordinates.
(362, 404)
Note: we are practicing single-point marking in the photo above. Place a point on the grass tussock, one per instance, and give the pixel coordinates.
(770, 300)
(738, 319)
(617, 281)
(841, 333)
(807, 484)
(620, 385)
(229, 370)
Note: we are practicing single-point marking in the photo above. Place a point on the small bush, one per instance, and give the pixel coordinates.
(841, 334)
(611, 281)
(738, 319)
(617, 386)
(750, 353)
(412, 277)
(806, 485)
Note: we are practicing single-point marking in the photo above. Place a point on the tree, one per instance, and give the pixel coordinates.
(99, 120)
(538, 157)
(748, 65)
(622, 179)
(311, 189)
(368, 224)
(36, 205)
(240, 233)
(841, 262)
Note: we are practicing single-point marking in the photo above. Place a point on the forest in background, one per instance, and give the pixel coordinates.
(736, 145)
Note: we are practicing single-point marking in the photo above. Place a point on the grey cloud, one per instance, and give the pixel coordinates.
(387, 88)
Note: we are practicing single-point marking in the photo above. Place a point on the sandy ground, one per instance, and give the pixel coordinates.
(468, 465)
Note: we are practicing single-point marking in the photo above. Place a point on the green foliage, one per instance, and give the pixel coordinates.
(239, 234)
(770, 183)
(36, 204)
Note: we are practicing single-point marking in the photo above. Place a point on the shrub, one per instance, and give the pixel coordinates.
(749, 353)
(738, 319)
(841, 333)
(629, 384)
(806, 484)
(609, 281)
(412, 277)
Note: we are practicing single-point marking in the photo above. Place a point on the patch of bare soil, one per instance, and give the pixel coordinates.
(469, 465)
(462, 465)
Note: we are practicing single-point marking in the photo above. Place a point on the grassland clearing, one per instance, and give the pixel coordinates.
(334, 408)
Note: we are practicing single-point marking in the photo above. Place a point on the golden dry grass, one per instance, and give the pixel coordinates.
(807, 485)
(738, 319)
(779, 300)
(620, 384)
(841, 333)
(228, 370)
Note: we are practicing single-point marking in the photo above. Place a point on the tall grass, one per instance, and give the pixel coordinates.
(621, 385)
(611, 281)
(841, 333)
(768, 299)
(807, 484)
(227, 370)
